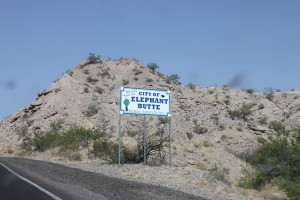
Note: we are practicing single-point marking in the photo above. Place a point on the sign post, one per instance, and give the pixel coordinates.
(142, 101)
(145, 140)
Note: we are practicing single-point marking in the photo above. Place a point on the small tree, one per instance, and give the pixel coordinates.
(153, 67)
(269, 94)
(175, 78)
(92, 58)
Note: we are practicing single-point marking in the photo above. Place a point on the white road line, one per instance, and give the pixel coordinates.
(32, 183)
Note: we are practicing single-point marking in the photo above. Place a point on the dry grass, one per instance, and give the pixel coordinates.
(10, 151)
(200, 165)
(268, 192)
(273, 193)
(202, 182)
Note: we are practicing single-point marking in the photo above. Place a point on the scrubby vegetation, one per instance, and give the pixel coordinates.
(92, 58)
(173, 78)
(153, 67)
(71, 141)
(269, 94)
(276, 162)
(241, 113)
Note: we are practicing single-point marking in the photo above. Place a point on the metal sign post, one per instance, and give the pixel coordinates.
(170, 141)
(145, 140)
(119, 141)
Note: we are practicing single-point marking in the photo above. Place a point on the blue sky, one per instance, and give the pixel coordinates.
(206, 42)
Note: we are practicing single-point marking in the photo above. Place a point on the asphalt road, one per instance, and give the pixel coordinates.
(13, 187)
(69, 183)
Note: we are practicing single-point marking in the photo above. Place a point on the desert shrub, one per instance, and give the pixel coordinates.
(224, 137)
(163, 120)
(221, 127)
(278, 159)
(69, 72)
(249, 90)
(91, 80)
(278, 127)
(261, 106)
(207, 144)
(149, 80)
(99, 89)
(86, 90)
(241, 113)
(220, 172)
(22, 130)
(248, 180)
(125, 82)
(41, 141)
(226, 101)
(92, 58)
(174, 78)
(91, 110)
(211, 91)
(105, 73)
(137, 71)
(215, 119)
(67, 140)
(261, 140)
(155, 148)
(269, 94)
(135, 78)
(153, 67)
(199, 129)
(10, 151)
(55, 126)
(200, 165)
(161, 75)
(244, 154)
(86, 71)
(106, 149)
(191, 86)
(263, 120)
(132, 133)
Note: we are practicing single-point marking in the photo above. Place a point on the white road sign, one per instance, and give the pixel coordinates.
(141, 101)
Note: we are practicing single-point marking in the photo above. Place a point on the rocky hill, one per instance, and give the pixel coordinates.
(211, 125)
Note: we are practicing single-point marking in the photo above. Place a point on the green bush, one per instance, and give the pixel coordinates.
(249, 90)
(278, 127)
(241, 113)
(107, 150)
(199, 129)
(276, 160)
(153, 67)
(263, 120)
(41, 141)
(91, 110)
(220, 172)
(92, 58)
(71, 139)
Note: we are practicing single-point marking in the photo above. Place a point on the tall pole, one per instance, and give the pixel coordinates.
(145, 140)
(170, 141)
(119, 142)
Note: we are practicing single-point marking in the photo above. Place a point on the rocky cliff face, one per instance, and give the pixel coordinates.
(210, 124)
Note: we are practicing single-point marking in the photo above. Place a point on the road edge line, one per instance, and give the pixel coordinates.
(31, 183)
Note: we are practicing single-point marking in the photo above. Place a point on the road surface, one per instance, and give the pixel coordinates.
(69, 183)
